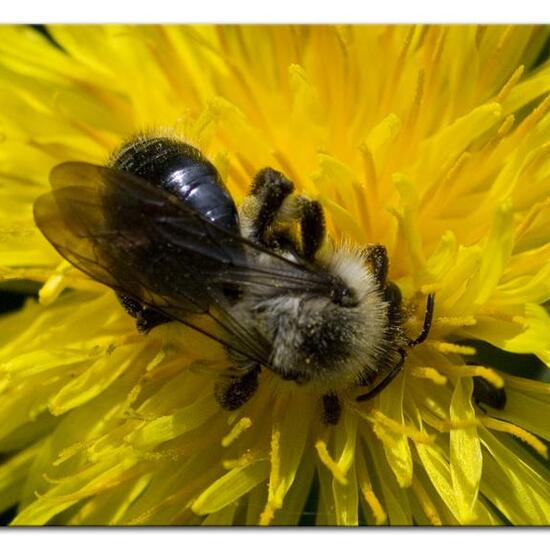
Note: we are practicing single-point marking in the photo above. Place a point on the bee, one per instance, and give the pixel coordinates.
(158, 226)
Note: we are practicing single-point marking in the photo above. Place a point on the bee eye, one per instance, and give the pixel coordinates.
(345, 297)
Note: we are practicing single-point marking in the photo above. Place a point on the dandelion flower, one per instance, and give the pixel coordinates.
(433, 141)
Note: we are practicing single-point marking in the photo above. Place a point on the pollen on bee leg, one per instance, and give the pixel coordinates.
(425, 502)
(329, 462)
(241, 426)
(430, 373)
(520, 433)
(55, 284)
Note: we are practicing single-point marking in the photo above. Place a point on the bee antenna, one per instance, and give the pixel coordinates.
(428, 316)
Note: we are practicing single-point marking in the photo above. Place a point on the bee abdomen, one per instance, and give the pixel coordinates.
(183, 171)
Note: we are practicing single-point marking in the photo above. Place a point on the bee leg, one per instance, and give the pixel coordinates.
(271, 188)
(146, 318)
(377, 257)
(234, 393)
(332, 408)
(384, 383)
(312, 226)
(430, 304)
(133, 307)
(484, 392)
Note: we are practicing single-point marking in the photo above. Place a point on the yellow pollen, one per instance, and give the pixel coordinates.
(465, 321)
(274, 500)
(132, 396)
(372, 500)
(520, 433)
(275, 477)
(70, 451)
(490, 375)
(533, 117)
(51, 480)
(329, 462)
(403, 429)
(475, 370)
(267, 515)
(383, 435)
(55, 284)
(448, 425)
(242, 425)
(169, 454)
(510, 83)
(429, 373)
(369, 495)
(426, 503)
(447, 347)
(247, 458)
(506, 125)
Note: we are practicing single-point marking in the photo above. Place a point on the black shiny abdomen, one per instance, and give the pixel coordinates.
(182, 170)
(163, 264)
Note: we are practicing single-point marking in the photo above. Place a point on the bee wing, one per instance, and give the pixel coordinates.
(129, 235)
(145, 242)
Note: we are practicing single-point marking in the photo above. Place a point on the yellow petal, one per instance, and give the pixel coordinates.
(465, 452)
(230, 487)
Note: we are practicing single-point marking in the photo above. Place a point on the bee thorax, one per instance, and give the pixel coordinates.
(318, 339)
